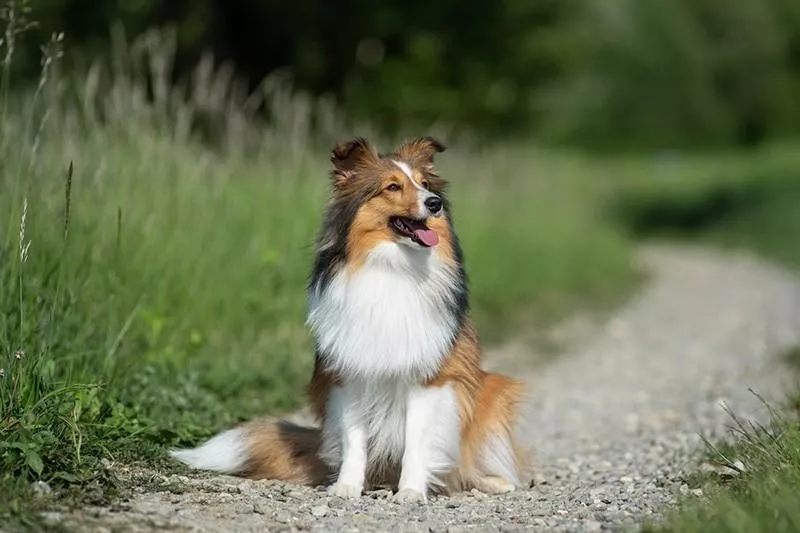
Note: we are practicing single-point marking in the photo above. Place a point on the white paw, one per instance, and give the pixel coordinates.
(409, 496)
(344, 490)
(494, 485)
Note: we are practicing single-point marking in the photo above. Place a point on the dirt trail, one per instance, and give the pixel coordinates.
(614, 421)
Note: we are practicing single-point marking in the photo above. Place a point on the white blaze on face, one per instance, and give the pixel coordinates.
(422, 193)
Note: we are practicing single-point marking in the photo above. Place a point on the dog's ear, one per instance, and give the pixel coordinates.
(349, 155)
(421, 151)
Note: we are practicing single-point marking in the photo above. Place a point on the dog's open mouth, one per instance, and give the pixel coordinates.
(416, 230)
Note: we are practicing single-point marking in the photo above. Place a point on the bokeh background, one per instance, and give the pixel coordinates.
(163, 170)
(621, 72)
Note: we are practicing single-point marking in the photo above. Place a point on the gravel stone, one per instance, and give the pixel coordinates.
(614, 421)
(41, 488)
(320, 511)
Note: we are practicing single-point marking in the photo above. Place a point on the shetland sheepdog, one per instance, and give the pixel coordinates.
(397, 387)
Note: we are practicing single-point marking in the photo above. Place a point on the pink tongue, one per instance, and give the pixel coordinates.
(428, 237)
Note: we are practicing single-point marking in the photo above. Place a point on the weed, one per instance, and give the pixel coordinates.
(760, 493)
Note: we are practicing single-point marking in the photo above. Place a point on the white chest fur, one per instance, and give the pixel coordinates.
(391, 318)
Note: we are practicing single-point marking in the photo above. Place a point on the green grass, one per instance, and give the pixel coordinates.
(759, 493)
(677, 196)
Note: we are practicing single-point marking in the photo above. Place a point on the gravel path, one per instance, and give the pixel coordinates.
(615, 421)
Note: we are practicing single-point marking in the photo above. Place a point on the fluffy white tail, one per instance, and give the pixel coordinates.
(262, 450)
(226, 452)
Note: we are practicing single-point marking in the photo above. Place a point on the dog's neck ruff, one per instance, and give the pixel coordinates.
(395, 317)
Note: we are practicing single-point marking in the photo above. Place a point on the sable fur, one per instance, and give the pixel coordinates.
(361, 259)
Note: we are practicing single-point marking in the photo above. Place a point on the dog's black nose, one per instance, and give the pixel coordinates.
(434, 204)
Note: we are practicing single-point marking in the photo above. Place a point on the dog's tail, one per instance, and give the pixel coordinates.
(262, 450)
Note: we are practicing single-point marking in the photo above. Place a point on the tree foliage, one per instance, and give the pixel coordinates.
(661, 73)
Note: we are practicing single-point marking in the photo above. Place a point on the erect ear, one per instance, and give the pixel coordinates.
(348, 155)
(421, 150)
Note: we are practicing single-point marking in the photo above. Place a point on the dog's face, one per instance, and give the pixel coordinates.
(399, 195)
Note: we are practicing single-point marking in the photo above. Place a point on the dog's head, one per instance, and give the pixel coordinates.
(392, 197)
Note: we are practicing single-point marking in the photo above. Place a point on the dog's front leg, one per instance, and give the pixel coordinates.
(431, 440)
(345, 410)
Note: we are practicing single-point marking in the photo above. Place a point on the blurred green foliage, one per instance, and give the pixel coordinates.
(602, 73)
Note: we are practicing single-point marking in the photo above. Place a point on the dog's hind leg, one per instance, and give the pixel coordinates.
(493, 462)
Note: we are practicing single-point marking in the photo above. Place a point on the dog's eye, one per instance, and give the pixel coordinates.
(393, 187)
(426, 184)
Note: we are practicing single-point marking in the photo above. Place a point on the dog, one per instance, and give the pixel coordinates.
(397, 386)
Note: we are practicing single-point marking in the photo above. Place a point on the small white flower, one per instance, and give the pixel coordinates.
(19, 355)
(2, 372)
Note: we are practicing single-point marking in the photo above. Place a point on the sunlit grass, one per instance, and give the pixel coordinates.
(760, 492)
